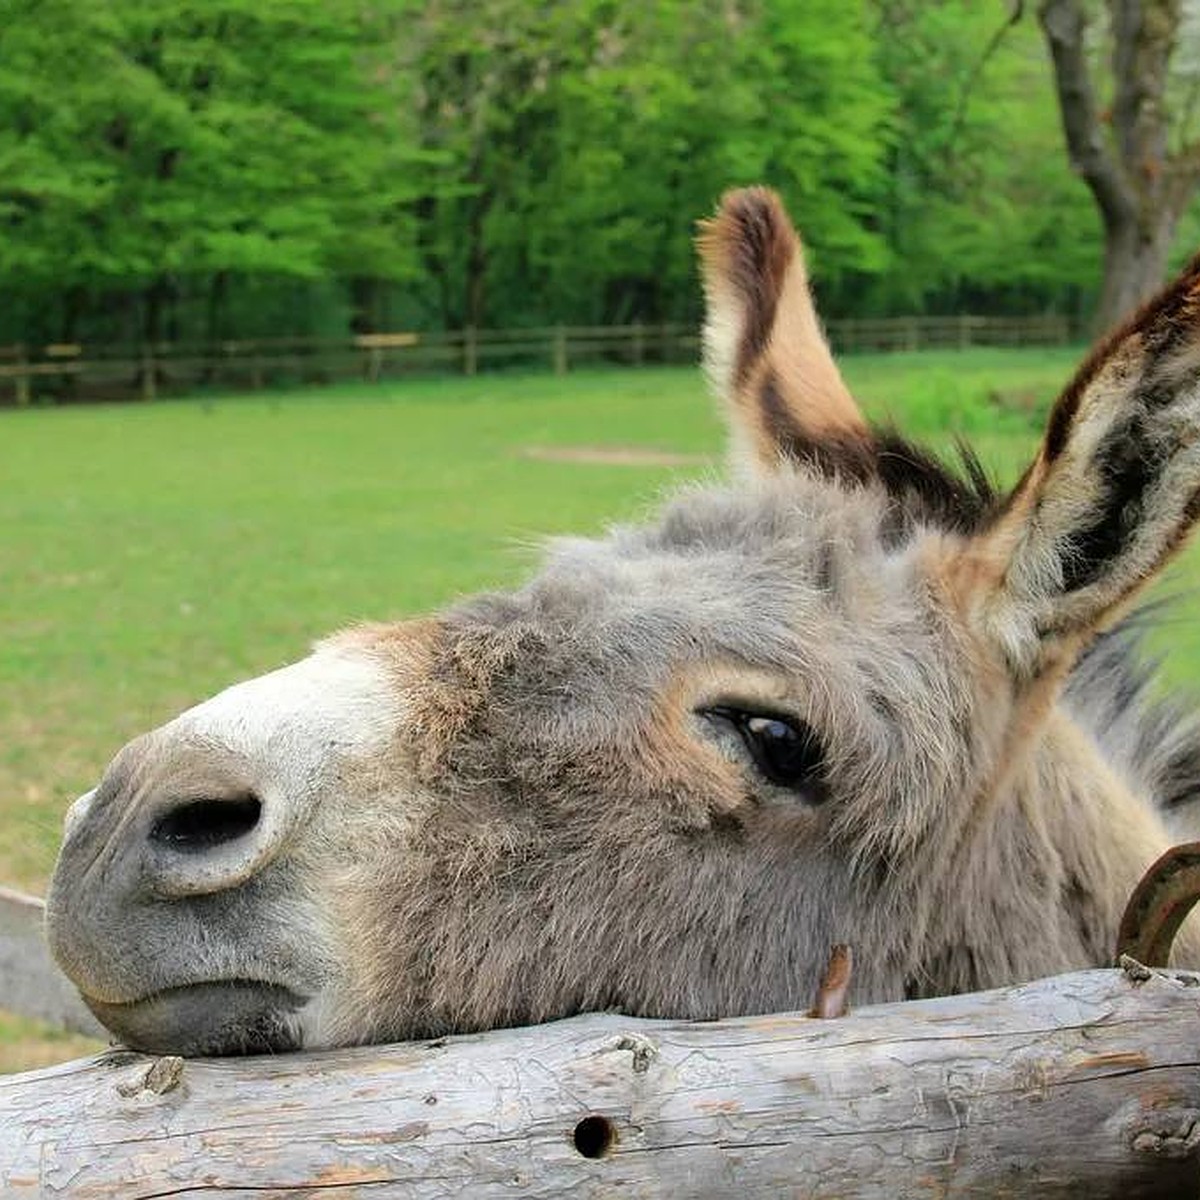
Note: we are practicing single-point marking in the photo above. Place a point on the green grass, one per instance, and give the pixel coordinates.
(152, 554)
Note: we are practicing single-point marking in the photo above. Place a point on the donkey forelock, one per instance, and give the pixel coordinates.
(854, 696)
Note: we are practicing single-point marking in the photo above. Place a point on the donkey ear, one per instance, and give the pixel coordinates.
(1110, 497)
(764, 351)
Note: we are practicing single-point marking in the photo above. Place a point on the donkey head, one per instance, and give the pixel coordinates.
(841, 700)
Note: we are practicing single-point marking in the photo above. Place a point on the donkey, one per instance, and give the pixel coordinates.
(853, 696)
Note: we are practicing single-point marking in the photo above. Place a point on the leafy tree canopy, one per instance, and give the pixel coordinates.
(199, 168)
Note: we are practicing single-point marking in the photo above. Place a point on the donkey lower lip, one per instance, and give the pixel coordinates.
(211, 1017)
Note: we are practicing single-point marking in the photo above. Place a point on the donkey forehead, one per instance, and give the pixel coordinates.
(788, 575)
(771, 555)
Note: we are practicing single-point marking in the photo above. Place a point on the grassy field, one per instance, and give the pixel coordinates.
(151, 555)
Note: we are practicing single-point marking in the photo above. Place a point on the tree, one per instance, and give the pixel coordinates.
(1137, 157)
(583, 139)
(152, 150)
(978, 193)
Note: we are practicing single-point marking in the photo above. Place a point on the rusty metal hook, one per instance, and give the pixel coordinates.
(1159, 904)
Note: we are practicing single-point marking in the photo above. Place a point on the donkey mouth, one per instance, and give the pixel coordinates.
(215, 1017)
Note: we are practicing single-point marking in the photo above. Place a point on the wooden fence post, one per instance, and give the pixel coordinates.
(149, 367)
(560, 350)
(470, 351)
(639, 346)
(21, 379)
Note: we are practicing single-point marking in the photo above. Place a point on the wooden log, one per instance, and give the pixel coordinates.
(1083, 1084)
(31, 984)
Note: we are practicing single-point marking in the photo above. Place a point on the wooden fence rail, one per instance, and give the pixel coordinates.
(1079, 1085)
(68, 371)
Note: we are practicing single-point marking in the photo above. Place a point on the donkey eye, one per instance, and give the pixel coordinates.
(786, 751)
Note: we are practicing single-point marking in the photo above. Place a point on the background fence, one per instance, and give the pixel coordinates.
(65, 372)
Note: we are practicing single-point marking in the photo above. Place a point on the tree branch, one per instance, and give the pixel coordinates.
(964, 97)
(1064, 23)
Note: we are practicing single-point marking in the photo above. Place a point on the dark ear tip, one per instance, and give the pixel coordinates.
(750, 235)
(752, 204)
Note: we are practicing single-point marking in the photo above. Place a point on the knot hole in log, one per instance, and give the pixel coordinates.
(595, 1136)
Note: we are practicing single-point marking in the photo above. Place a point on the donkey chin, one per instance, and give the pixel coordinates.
(198, 978)
(235, 1016)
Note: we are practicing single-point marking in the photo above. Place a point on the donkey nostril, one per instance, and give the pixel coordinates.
(199, 825)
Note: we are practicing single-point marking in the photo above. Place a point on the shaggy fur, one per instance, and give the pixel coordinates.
(537, 803)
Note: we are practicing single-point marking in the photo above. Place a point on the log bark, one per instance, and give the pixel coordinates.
(1083, 1084)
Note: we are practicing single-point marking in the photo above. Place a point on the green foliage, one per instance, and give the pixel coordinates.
(205, 168)
(983, 210)
(166, 145)
(582, 140)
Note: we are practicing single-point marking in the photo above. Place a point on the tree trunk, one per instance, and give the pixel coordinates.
(477, 262)
(1081, 1085)
(73, 302)
(155, 300)
(158, 323)
(1139, 186)
(214, 309)
(1135, 264)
